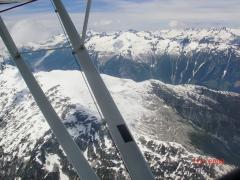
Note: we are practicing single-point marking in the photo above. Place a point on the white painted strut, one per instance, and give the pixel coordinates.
(129, 151)
(71, 149)
(84, 31)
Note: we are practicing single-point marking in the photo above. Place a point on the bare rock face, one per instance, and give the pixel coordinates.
(172, 124)
(206, 57)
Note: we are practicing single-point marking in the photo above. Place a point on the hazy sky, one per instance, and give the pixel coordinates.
(37, 21)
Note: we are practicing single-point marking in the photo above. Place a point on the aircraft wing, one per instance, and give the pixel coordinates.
(13, 1)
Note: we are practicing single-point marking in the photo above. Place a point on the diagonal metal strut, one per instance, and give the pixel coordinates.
(84, 31)
(129, 151)
(71, 149)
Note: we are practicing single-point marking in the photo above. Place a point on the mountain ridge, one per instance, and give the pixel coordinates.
(28, 147)
(206, 57)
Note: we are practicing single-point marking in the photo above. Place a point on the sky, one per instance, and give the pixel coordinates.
(37, 21)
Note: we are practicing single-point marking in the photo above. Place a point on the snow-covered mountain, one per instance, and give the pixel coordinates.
(209, 57)
(172, 124)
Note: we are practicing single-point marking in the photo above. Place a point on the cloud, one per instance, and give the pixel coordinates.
(38, 21)
(102, 22)
(37, 27)
(28, 30)
(176, 24)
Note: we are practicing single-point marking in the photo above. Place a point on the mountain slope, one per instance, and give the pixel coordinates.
(209, 57)
(163, 129)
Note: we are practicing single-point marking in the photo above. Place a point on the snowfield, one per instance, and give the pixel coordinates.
(161, 129)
